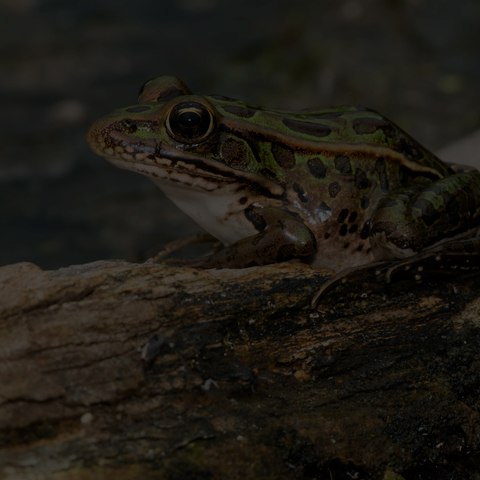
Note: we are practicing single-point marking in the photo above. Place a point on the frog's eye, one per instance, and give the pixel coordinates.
(189, 122)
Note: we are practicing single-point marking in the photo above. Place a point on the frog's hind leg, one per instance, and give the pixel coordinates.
(453, 257)
(422, 216)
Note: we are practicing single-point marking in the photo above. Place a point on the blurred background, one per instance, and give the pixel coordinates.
(65, 63)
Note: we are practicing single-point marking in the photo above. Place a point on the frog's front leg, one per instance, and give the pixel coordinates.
(281, 237)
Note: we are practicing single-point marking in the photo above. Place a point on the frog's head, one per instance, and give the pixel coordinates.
(176, 137)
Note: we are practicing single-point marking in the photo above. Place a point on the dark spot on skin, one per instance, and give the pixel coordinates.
(257, 238)
(334, 189)
(343, 230)
(235, 153)
(409, 150)
(361, 180)
(317, 168)
(368, 251)
(327, 235)
(286, 252)
(284, 155)
(353, 217)
(243, 200)
(368, 126)
(256, 219)
(301, 194)
(137, 109)
(429, 213)
(365, 230)
(360, 248)
(381, 169)
(353, 228)
(343, 215)
(342, 164)
(266, 172)
(364, 203)
(346, 245)
(312, 129)
(240, 111)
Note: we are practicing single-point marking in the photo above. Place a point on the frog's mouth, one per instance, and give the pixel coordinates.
(166, 163)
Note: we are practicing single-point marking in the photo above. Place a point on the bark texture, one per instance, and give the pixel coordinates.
(119, 370)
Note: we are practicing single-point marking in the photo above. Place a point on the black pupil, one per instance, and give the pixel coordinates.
(189, 119)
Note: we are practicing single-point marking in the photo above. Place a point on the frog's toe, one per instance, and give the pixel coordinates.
(377, 268)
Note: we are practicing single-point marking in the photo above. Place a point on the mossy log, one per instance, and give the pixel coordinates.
(119, 370)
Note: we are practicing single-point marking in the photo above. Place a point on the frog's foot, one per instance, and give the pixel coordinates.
(451, 257)
(377, 268)
(180, 243)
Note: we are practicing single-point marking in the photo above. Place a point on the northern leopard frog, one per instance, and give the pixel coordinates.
(342, 188)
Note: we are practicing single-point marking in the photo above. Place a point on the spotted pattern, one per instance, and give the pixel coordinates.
(284, 155)
(313, 129)
(353, 217)
(369, 125)
(342, 164)
(409, 150)
(361, 181)
(429, 213)
(364, 234)
(301, 194)
(343, 230)
(256, 219)
(286, 252)
(334, 189)
(364, 203)
(343, 215)
(234, 153)
(317, 168)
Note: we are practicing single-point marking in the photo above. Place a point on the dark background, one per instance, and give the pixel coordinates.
(65, 63)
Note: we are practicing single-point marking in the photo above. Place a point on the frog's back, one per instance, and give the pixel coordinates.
(331, 129)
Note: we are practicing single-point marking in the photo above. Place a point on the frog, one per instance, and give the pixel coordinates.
(341, 188)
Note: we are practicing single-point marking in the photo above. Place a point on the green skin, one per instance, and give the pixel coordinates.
(341, 188)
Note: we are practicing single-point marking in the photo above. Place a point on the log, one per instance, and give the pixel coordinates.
(120, 370)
